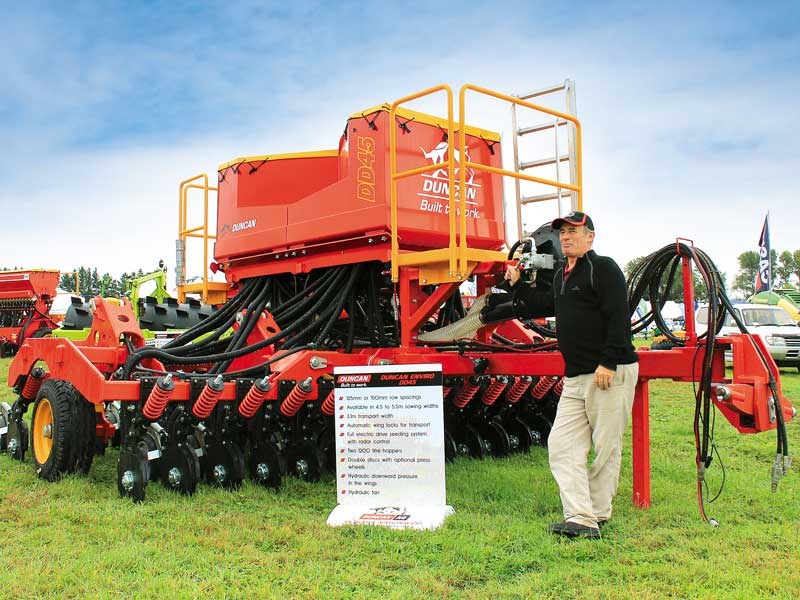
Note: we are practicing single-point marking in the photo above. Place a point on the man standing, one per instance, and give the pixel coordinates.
(593, 328)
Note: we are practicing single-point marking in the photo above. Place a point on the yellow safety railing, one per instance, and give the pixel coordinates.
(458, 256)
(577, 187)
(209, 291)
(428, 256)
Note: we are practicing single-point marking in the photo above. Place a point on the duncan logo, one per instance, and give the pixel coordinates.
(435, 194)
(242, 225)
(352, 379)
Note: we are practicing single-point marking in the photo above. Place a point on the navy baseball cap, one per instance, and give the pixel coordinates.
(574, 218)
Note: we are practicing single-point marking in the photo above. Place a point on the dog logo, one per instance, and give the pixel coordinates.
(438, 157)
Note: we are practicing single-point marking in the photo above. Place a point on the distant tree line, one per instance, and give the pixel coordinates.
(785, 271)
(93, 284)
(785, 274)
(676, 290)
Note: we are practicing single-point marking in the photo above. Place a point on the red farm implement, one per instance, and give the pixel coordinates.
(25, 300)
(344, 258)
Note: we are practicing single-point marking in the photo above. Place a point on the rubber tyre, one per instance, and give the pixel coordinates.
(53, 429)
(84, 415)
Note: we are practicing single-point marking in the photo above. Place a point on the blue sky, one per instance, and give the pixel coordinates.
(690, 112)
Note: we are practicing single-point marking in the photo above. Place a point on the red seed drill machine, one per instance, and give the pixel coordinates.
(354, 256)
(25, 301)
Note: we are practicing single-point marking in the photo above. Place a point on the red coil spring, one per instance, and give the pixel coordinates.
(296, 398)
(446, 392)
(208, 398)
(328, 407)
(544, 385)
(254, 399)
(494, 390)
(158, 398)
(559, 387)
(518, 389)
(33, 383)
(466, 394)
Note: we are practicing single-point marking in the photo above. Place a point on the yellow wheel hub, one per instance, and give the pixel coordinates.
(43, 431)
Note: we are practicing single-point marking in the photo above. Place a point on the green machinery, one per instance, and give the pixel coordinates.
(156, 312)
(787, 299)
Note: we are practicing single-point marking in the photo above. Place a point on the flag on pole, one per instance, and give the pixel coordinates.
(764, 277)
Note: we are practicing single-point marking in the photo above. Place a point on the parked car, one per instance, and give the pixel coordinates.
(778, 330)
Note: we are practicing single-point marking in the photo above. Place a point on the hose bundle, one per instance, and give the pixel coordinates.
(308, 309)
(655, 276)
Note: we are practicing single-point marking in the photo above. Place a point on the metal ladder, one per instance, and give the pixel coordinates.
(568, 90)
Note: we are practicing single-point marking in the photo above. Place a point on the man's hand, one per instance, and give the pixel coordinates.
(512, 275)
(603, 377)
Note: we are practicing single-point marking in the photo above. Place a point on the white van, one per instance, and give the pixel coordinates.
(780, 333)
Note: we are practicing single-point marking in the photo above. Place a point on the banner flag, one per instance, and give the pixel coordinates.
(764, 277)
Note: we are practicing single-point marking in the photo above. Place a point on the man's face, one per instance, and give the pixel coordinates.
(575, 240)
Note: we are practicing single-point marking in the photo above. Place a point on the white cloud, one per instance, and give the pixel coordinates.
(690, 124)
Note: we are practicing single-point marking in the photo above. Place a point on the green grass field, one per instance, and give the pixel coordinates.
(78, 538)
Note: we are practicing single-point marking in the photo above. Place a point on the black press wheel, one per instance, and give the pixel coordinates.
(450, 447)
(180, 469)
(476, 445)
(540, 427)
(326, 442)
(496, 438)
(132, 475)
(225, 465)
(265, 465)
(519, 434)
(17, 439)
(305, 462)
(85, 441)
(5, 416)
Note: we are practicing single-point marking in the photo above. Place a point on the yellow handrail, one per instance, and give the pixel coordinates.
(395, 176)
(577, 188)
(458, 255)
(185, 232)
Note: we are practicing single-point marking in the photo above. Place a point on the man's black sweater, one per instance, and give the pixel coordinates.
(590, 303)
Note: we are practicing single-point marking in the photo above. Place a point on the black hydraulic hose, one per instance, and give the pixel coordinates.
(650, 275)
(239, 339)
(351, 324)
(169, 358)
(296, 304)
(301, 336)
(355, 271)
(372, 323)
(254, 311)
(322, 300)
(230, 307)
(783, 440)
(212, 340)
(222, 315)
(259, 369)
(290, 311)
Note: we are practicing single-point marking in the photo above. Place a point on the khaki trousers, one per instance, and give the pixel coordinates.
(588, 417)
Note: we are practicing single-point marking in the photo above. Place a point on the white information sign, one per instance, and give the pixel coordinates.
(390, 446)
